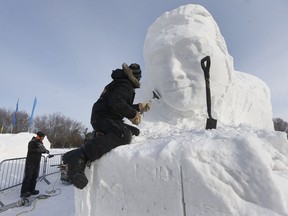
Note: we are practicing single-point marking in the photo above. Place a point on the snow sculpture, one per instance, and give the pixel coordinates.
(180, 170)
(174, 46)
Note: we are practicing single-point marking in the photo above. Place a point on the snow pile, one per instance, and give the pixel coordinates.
(231, 171)
(174, 46)
(16, 145)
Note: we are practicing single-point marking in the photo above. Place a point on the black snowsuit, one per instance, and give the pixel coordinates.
(32, 165)
(108, 112)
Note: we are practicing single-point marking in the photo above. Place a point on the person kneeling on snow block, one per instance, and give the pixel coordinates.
(115, 104)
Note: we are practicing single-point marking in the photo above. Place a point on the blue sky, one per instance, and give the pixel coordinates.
(63, 51)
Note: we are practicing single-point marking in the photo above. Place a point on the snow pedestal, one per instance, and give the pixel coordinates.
(224, 172)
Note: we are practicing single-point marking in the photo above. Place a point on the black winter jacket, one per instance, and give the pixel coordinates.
(116, 101)
(35, 150)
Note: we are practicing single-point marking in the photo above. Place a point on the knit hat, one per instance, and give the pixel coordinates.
(129, 73)
(136, 70)
(40, 134)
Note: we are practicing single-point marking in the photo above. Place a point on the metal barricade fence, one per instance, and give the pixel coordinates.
(12, 170)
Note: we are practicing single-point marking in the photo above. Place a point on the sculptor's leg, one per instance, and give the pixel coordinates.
(92, 150)
(76, 161)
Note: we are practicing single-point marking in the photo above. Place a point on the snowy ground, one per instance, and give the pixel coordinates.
(61, 201)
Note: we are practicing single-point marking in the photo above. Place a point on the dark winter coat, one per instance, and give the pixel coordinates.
(116, 101)
(32, 166)
(35, 150)
(114, 104)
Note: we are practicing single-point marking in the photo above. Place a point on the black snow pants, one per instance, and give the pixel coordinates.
(113, 134)
(30, 177)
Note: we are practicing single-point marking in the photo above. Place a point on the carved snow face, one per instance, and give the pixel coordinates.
(174, 46)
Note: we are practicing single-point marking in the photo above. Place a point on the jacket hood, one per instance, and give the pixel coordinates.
(118, 74)
(125, 73)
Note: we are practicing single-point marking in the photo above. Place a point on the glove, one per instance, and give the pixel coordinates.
(144, 107)
(50, 156)
(137, 119)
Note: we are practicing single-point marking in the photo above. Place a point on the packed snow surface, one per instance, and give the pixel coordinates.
(228, 171)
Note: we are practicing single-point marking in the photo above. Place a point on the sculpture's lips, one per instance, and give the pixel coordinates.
(177, 88)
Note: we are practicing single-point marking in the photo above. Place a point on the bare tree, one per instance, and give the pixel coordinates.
(22, 120)
(61, 131)
(6, 119)
(280, 125)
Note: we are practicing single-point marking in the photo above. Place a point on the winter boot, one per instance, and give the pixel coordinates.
(76, 161)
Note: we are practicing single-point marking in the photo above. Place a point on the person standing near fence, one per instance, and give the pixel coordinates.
(32, 165)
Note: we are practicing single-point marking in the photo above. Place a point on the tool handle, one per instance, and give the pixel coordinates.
(205, 64)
